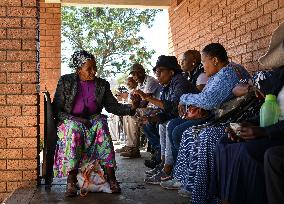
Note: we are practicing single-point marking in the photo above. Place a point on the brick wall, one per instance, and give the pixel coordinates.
(50, 50)
(243, 27)
(18, 94)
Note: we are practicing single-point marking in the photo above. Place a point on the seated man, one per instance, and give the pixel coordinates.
(130, 127)
(150, 86)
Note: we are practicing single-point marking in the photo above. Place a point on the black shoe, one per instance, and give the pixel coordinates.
(151, 163)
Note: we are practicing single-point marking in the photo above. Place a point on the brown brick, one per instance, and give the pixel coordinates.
(10, 2)
(251, 5)
(29, 88)
(30, 132)
(53, 10)
(3, 33)
(3, 11)
(28, 77)
(261, 2)
(29, 3)
(21, 164)
(10, 110)
(29, 153)
(29, 66)
(10, 153)
(3, 164)
(29, 45)
(3, 55)
(240, 31)
(19, 121)
(281, 3)
(3, 187)
(10, 23)
(22, 99)
(278, 14)
(22, 33)
(29, 22)
(30, 110)
(10, 132)
(46, 15)
(21, 142)
(21, 12)
(11, 186)
(10, 66)
(3, 143)
(3, 121)
(3, 77)
(21, 55)
(10, 89)
(270, 6)
(2, 100)
(246, 57)
(30, 175)
(4, 196)
(10, 175)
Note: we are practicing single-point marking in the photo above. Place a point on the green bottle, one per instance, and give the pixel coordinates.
(269, 111)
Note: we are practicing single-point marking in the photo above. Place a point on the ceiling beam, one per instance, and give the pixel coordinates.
(163, 4)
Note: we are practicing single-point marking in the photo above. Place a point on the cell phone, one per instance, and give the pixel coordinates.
(235, 126)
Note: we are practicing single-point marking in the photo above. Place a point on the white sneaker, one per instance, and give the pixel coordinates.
(184, 193)
(172, 184)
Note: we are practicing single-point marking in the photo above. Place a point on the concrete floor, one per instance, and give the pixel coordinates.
(130, 174)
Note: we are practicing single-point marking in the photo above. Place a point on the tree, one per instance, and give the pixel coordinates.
(111, 34)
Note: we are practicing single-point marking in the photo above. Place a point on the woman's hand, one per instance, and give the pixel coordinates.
(181, 110)
(240, 90)
(246, 132)
(141, 94)
(135, 101)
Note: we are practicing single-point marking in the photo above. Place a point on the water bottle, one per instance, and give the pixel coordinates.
(269, 111)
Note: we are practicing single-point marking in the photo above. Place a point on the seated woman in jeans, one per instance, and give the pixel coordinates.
(174, 85)
(238, 168)
(82, 131)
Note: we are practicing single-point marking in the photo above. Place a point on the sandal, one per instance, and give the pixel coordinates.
(71, 190)
(114, 187)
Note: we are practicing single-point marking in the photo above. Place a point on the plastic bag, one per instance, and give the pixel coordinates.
(91, 179)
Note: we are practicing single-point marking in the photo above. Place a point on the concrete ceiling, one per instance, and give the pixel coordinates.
(163, 4)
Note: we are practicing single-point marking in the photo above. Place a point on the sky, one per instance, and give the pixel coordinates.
(155, 38)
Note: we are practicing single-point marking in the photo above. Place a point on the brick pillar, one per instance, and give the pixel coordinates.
(18, 94)
(50, 51)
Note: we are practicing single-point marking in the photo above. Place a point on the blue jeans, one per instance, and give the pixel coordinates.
(151, 131)
(175, 129)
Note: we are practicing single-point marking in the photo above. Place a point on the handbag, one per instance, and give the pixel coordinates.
(91, 178)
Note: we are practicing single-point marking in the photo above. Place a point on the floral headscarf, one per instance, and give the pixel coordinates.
(79, 58)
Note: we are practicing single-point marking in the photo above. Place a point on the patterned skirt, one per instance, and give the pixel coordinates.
(195, 160)
(77, 145)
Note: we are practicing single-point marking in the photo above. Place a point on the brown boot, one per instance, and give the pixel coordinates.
(123, 149)
(71, 189)
(132, 152)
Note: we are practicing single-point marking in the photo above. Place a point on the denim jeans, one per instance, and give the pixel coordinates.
(151, 131)
(175, 129)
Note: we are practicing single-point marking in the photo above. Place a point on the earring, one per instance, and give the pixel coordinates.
(193, 63)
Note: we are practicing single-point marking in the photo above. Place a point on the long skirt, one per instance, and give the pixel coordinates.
(195, 161)
(238, 174)
(77, 145)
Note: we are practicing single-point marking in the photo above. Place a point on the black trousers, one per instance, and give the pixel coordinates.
(274, 174)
